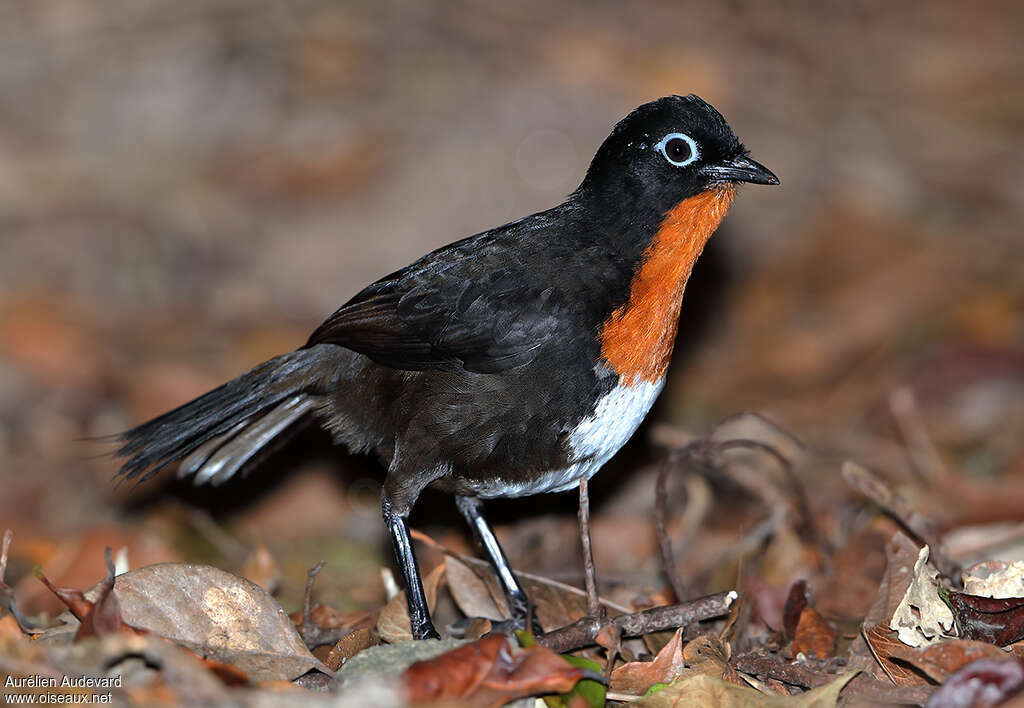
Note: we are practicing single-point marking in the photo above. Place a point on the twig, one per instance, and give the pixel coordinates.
(594, 607)
(668, 558)
(609, 636)
(7, 600)
(923, 454)
(808, 674)
(657, 619)
(871, 486)
(307, 598)
(622, 697)
(312, 634)
(708, 451)
(8, 537)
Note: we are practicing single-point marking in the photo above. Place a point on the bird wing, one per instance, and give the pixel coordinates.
(469, 305)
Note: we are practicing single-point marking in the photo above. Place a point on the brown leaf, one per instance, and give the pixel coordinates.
(471, 593)
(556, 604)
(104, 617)
(814, 636)
(350, 645)
(393, 624)
(999, 621)
(489, 673)
(885, 645)
(707, 654)
(72, 598)
(637, 676)
(943, 659)
(901, 554)
(217, 615)
(796, 601)
(98, 618)
(703, 690)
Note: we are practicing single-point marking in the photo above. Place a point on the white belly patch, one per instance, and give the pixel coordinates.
(591, 443)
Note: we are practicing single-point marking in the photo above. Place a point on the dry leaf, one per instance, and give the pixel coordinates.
(922, 617)
(637, 676)
(943, 659)
(885, 644)
(350, 645)
(471, 592)
(796, 601)
(900, 553)
(814, 636)
(710, 692)
(556, 604)
(393, 624)
(488, 672)
(98, 617)
(996, 620)
(217, 615)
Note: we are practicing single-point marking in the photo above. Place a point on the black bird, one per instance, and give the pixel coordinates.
(510, 363)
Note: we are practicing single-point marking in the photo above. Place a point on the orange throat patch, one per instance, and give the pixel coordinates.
(636, 341)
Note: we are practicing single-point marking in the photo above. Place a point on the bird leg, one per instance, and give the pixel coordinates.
(419, 613)
(518, 603)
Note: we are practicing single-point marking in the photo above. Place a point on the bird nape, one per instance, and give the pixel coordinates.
(509, 363)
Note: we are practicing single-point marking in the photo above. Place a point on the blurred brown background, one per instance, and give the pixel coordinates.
(187, 188)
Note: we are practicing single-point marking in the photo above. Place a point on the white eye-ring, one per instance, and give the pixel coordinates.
(679, 149)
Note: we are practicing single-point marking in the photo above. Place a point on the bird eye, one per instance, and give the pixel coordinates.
(679, 149)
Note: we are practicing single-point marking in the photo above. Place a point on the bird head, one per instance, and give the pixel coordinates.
(666, 151)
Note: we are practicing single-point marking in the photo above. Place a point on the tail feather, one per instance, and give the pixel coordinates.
(267, 399)
(242, 446)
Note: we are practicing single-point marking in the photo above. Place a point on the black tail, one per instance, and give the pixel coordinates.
(217, 433)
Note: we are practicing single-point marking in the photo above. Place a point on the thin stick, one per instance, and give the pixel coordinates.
(923, 454)
(307, 598)
(871, 486)
(7, 600)
(668, 558)
(583, 632)
(623, 697)
(807, 674)
(8, 536)
(594, 607)
(310, 631)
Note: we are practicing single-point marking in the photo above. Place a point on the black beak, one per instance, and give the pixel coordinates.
(740, 169)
